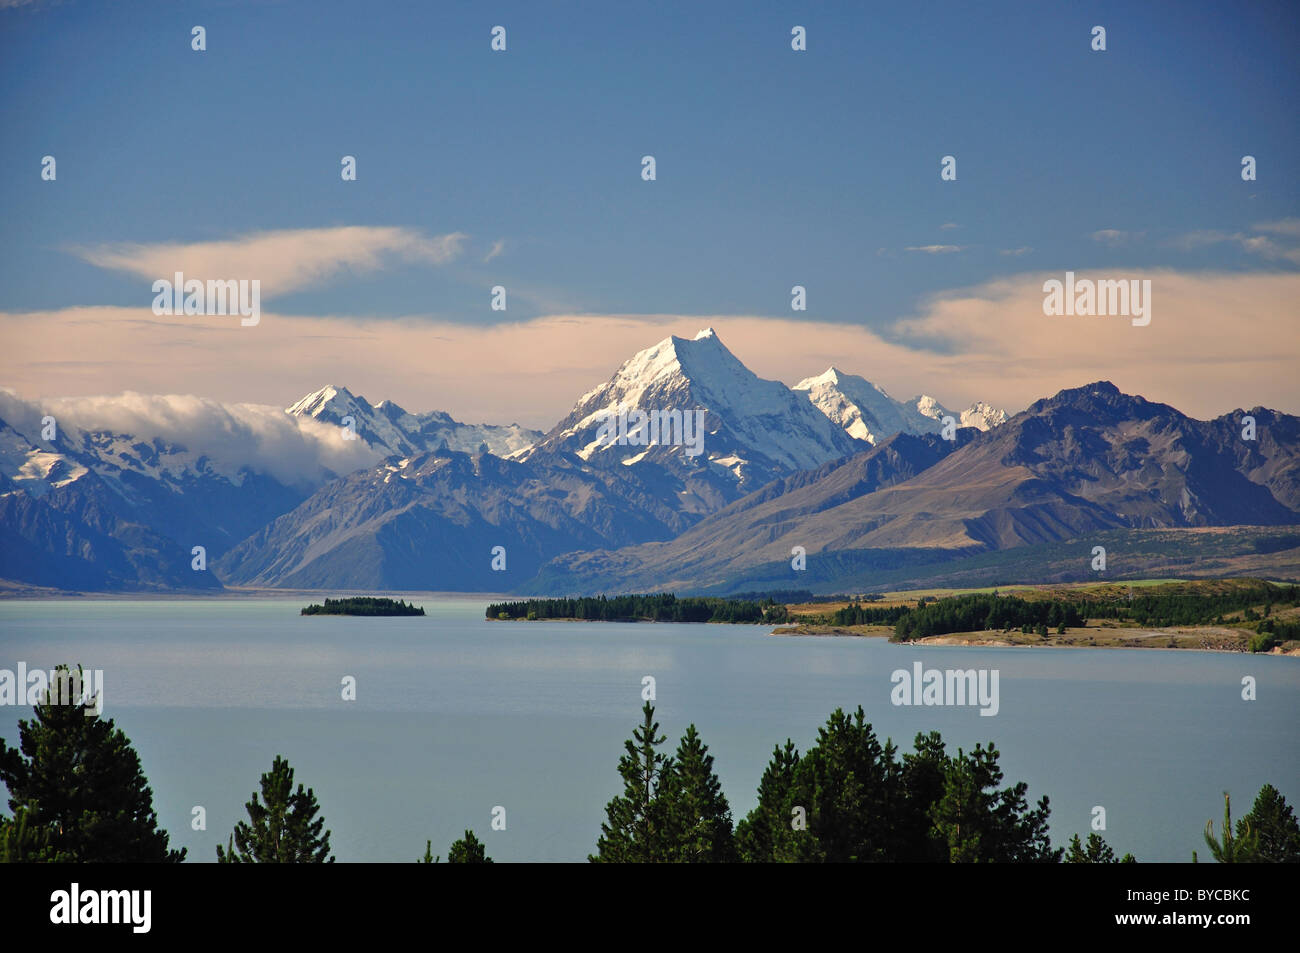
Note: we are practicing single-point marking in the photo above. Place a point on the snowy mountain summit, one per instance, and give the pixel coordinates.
(867, 412)
(754, 428)
(393, 431)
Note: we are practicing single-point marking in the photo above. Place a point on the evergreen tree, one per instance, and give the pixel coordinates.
(283, 828)
(21, 841)
(851, 789)
(78, 783)
(982, 824)
(757, 834)
(960, 815)
(696, 810)
(924, 774)
(428, 857)
(1274, 825)
(635, 829)
(468, 850)
(1097, 851)
(1229, 849)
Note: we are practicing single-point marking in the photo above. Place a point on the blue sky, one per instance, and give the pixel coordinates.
(775, 167)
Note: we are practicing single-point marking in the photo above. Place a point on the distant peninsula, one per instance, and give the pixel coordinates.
(363, 605)
(1227, 615)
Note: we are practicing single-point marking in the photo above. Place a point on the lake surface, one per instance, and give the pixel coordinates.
(455, 716)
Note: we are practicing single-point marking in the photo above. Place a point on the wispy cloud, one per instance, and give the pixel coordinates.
(1115, 236)
(1202, 237)
(1280, 247)
(1286, 226)
(947, 226)
(935, 249)
(1015, 252)
(497, 248)
(283, 261)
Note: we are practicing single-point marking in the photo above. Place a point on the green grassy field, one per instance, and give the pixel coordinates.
(1232, 634)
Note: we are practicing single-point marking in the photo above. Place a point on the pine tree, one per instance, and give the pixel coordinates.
(959, 815)
(757, 834)
(428, 857)
(924, 774)
(851, 789)
(1274, 825)
(635, 829)
(1229, 849)
(982, 824)
(21, 841)
(284, 829)
(695, 809)
(468, 850)
(78, 782)
(1097, 851)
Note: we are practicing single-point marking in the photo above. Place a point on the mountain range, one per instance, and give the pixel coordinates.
(1086, 461)
(334, 492)
(868, 413)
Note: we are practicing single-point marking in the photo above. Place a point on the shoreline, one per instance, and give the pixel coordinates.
(1220, 639)
(1175, 638)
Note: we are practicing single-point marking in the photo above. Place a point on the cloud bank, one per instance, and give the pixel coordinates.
(1216, 342)
(263, 438)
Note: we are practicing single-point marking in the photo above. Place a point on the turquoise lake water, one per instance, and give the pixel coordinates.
(455, 716)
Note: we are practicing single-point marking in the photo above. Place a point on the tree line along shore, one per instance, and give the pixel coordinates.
(1236, 615)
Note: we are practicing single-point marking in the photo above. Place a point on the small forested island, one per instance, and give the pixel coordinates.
(363, 605)
(664, 607)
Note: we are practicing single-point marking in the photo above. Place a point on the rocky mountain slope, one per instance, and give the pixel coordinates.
(1087, 460)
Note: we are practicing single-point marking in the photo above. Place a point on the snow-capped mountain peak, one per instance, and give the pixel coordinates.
(983, 416)
(929, 407)
(832, 375)
(392, 431)
(755, 428)
(327, 401)
(867, 412)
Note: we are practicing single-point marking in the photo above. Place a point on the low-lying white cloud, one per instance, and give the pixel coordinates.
(264, 439)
